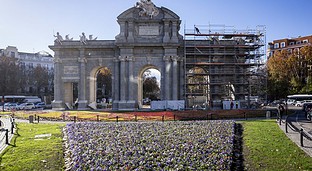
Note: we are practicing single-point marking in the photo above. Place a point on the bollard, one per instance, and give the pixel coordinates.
(98, 118)
(116, 118)
(12, 128)
(75, 118)
(301, 137)
(286, 127)
(6, 136)
(35, 117)
(286, 124)
(163, 118)
(38, 119)
(31, 119)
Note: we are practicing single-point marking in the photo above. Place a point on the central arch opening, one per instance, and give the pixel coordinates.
(104, 88)
(149, 87)
(198, 88)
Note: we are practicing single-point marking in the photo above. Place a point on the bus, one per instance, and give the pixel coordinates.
(21, 99)
(292, 99)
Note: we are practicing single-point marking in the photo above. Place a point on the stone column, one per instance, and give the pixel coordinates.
(123, 77)
(182, 78)
(131, 78)
(82, 102)
(58, 103)
(115, 81)
(167, 77)
(175, 83)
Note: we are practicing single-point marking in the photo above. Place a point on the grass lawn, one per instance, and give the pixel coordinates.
(266, 147)
(30, 153)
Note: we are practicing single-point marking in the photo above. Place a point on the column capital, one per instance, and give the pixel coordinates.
(175, 58)
(122, 58)
(126, 58)
(167, 58)
(82, 60)
(57, 60)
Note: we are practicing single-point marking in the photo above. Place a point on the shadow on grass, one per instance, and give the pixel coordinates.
(238, 158)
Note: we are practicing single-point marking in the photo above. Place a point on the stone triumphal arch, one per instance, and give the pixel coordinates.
(149, 38)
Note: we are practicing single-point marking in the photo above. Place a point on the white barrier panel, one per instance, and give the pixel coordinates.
(168, 104)
(158, 105)
(175, 104)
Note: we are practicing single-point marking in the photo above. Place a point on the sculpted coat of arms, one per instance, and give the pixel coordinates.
(147, 8)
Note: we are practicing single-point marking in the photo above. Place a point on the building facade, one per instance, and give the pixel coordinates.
(149, 39)
(29, 61)
(289, 44)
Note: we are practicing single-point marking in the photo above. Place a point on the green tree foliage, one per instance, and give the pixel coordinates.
(151, 88)
(104, 83)
(289, 72)
(41, 79)
(16, 79)
(9, 75)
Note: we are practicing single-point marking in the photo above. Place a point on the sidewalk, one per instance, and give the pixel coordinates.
(299, 121)
(5, 124)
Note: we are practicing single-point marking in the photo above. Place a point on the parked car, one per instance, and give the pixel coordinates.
(9, 106)
(299, 103)
(40, 105)
(26, 106)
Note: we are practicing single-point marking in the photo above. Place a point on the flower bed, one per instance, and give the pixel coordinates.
(198, 145)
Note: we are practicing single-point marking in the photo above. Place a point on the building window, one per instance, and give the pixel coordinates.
(291, 43)
(276, 45)
(13, 54)
(31, 65)
(305, 41)
(283, 44)
(298, 42)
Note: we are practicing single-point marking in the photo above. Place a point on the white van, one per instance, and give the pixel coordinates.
(32, 100)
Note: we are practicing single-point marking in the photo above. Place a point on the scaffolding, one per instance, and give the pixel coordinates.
(223, 63)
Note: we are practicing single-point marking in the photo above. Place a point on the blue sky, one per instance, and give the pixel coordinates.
(30, 24)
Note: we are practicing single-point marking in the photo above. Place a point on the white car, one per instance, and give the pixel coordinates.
(26, 106)
(299, 103)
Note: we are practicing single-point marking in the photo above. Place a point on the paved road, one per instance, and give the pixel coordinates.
(6, 123)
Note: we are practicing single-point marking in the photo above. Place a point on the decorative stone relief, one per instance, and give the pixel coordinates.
(145, 30)
(147, 8)
(71, 70)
